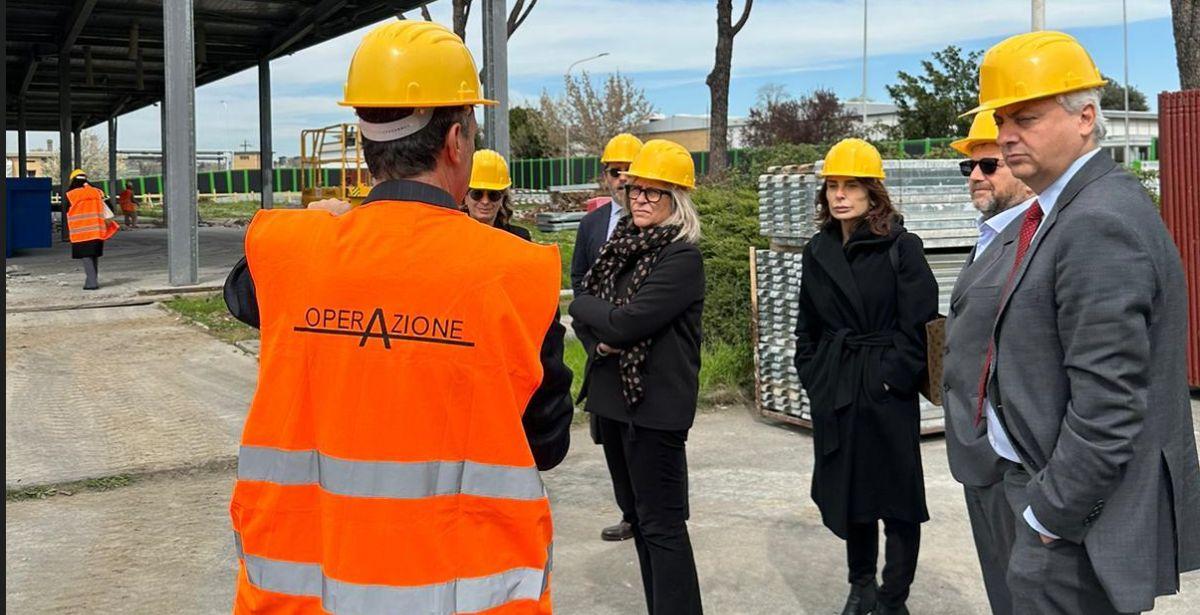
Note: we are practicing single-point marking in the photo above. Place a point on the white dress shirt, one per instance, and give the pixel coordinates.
(996, 434)
(614, 216)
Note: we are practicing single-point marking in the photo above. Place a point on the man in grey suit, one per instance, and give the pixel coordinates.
(1087, 379)
(1001, 199)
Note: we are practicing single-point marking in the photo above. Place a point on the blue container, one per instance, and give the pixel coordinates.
(29, 224)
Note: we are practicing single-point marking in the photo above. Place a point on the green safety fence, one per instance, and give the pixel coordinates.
(527, 174)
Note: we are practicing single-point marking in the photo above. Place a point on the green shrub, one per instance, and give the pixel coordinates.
(729, 215)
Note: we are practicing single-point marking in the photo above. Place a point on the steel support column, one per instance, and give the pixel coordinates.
(114, 183)
(495, 74)
(22, 150)
(179, 170)
(77, 148)
(64, 132)
(265, 162)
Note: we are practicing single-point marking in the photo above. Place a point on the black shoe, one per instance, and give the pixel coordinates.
(617, 533)
(862, 598)
(91, 288)
(884, 609)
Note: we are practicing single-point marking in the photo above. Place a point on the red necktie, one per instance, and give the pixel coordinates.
(1029, 226)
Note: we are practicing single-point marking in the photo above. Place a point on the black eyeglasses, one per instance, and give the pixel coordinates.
(987, 165)
(653, 195)
(614, 173)
(492, 195)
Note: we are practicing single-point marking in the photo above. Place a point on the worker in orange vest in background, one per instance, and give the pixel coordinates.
(89, 224)
(128, 207)
(411, 382)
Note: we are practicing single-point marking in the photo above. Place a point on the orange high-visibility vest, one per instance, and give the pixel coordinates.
(384, 467)
(85, 218)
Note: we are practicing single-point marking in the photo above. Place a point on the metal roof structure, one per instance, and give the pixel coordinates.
(116, 50)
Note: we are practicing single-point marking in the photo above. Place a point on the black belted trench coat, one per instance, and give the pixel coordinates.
(860, 353)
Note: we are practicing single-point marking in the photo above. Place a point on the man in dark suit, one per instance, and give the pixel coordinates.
(1087, 377)
(594, 230)
(1001, 199)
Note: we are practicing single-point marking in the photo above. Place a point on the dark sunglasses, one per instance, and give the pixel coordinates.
(987, 165)
(492, 195)
(614, 173)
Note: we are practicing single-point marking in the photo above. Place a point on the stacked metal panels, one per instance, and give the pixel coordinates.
(931, 194)
(778, 291)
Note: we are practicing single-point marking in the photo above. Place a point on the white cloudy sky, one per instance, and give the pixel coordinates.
(667, 47)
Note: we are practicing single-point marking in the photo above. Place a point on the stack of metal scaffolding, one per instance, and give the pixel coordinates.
(931, 194)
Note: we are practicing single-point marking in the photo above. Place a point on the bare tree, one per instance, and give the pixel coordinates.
(718, 84)
(1185, 16)
(461, 12)
(594, 117)
(95, 159)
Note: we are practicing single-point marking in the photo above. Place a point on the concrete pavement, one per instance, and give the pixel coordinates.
(134, 261)
(163, 545)
(108, 391)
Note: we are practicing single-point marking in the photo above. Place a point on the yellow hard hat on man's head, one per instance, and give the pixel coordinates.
(77, 173)
(664, 161)
(853, 158)
(489, 171)
(413, 64)
(983, 130)
(1031, 66)
(621, 148)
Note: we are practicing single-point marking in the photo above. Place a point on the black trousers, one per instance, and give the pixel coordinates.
(900, 557)
(649, 472)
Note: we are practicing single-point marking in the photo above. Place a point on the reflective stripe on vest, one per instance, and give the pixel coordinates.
(460, 595)
(388, 479)
(85, 217)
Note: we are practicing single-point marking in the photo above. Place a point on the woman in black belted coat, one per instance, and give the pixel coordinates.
(860, 353)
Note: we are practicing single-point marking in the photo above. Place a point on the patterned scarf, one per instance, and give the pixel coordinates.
(628, 246)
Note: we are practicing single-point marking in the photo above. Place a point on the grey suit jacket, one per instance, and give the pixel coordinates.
(973, 305)
(1089, 380)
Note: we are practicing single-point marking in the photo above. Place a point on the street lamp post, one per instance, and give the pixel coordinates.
(1125, 37)
(567, 120)
(864, 75)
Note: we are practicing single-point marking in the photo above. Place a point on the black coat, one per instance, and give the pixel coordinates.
(860, 353)
(666, 309)
(513, 229)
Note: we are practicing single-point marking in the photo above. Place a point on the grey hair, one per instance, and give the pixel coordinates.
(685, 215)
(1074, 102)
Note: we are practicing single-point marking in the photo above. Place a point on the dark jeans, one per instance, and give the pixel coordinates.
(649, 473)
(900, 557)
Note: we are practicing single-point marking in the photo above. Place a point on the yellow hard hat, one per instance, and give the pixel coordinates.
(621, 148)
(983, 130)
(853, 158)
(412, 64)
(77, 173)
(1031, 66)
(489, 171)
(664, 161)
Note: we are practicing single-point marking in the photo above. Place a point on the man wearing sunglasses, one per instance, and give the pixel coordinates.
(594, 230)
(1000, 199)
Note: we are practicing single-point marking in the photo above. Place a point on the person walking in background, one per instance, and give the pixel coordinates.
(594, 230)
(1085, 385)
(1000, 199)
(642, 303)
(866, 293)
(488, 199)
(128, 207)
(89, 224)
